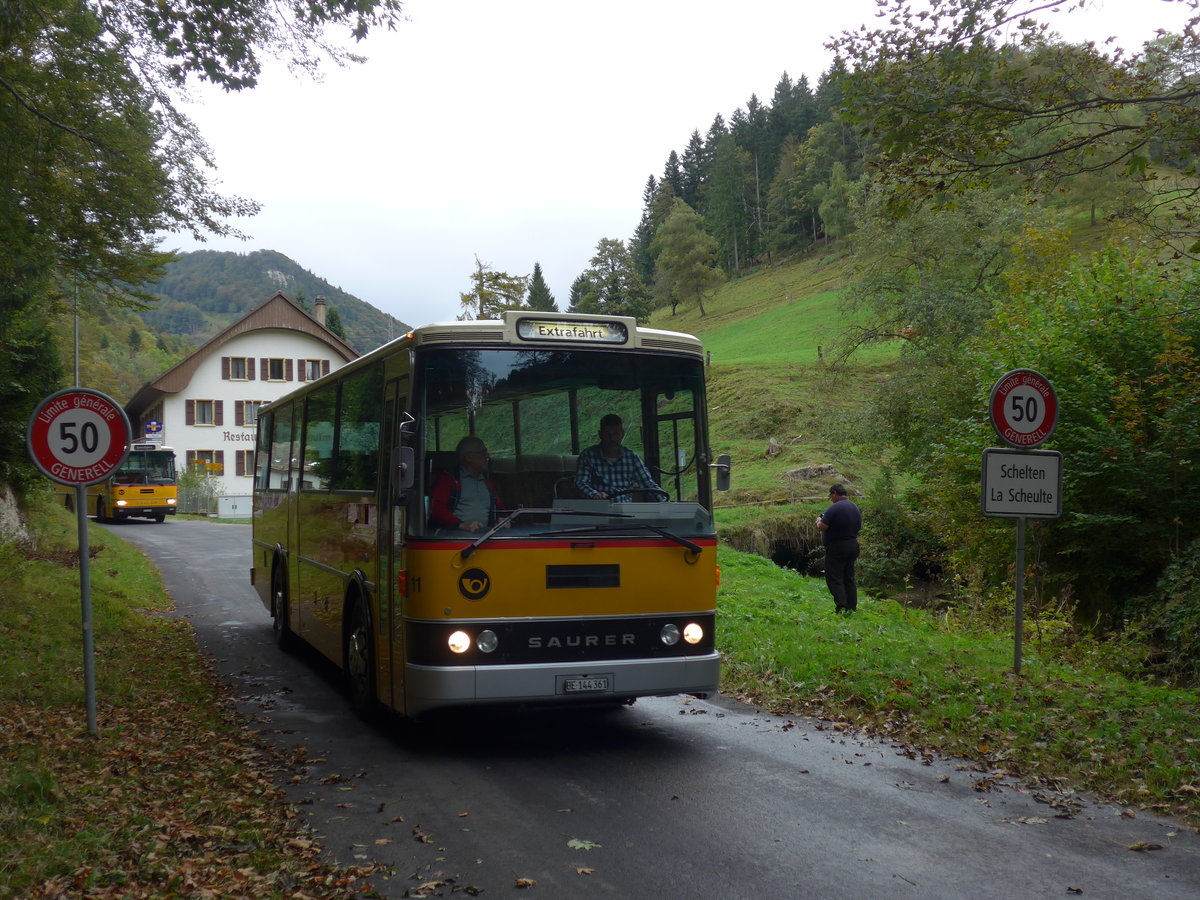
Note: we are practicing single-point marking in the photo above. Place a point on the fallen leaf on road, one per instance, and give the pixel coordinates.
(525, 883)
(1143, 846)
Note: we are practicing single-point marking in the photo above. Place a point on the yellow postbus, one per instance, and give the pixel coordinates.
(143, 487)
(560, 596)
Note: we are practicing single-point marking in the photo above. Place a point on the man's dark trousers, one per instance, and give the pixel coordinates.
(839, 573)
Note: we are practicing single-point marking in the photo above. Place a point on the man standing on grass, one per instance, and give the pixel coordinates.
(839, 525)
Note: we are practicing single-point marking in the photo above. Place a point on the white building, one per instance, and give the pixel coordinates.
(206, 407)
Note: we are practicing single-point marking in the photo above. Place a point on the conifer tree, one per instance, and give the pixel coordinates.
(539, 296)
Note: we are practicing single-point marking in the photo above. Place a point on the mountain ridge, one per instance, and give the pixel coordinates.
(204, 291)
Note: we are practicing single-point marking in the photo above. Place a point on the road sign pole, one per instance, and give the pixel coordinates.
(85, 602)
(1018, 631)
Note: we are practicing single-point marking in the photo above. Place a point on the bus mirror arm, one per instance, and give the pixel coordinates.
(722, 465)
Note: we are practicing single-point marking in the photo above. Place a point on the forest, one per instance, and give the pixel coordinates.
(1006, 200)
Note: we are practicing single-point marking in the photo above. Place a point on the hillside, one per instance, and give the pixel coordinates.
(778, 405)
(205, 291)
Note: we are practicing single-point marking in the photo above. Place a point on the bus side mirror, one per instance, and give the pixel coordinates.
(406, 469)
(722, 466)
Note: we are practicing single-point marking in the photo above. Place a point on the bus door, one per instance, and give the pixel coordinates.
(393, 526)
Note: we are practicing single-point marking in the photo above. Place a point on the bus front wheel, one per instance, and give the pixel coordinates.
(285, 638)
(359, 659)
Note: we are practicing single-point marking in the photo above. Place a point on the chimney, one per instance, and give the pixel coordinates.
(320, 305)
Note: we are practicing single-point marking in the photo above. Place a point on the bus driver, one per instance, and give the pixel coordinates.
(611, 471)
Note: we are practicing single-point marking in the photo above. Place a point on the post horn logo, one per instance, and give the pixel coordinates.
(474, 584)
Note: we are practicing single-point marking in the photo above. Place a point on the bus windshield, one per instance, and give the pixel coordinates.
(147, 467)
(539, 413)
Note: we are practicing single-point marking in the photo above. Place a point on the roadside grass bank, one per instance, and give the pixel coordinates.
(171, 797)
(1067, 723)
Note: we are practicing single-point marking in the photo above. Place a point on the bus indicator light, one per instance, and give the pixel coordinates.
(670, 634)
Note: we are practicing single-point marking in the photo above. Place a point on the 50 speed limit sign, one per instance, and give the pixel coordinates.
(78, 436)
(1024, 408)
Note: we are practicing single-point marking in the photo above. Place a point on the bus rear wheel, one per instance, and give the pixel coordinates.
(359, 660)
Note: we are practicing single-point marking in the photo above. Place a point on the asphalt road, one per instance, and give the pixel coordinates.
(672, 798)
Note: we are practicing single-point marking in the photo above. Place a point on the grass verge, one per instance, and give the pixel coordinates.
(909, 676)
(171, 797)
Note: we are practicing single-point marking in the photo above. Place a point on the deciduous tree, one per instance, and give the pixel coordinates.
(959, 93)
(685, 270)
(611, 285)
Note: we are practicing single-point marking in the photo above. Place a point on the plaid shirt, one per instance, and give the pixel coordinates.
(616, 477)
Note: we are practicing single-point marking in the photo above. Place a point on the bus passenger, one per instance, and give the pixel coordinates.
(467, 499)
(611, 471)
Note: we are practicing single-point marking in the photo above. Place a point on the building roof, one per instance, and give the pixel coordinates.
(277, 313)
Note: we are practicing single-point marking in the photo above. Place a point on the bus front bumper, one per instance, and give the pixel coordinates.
(429, 687)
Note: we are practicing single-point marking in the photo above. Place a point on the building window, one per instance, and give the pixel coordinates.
(312, 369)
(245, 462)
(246, 412)
(204, 412)
(237, 368)
(275, 370)
(211, 462)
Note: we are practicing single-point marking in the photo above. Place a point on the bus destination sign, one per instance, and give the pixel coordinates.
(573, 331)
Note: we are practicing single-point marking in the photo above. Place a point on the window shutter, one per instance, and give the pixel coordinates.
(218, 412)
(239, 413)
(324, 367)
(288, 376)
(219, 459)
(250, 369)
(189, 413)
(224, 368)
(301, 371)
(266, 368)
(191, 456)
(241, 464)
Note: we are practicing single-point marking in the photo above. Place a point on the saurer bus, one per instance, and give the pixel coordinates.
(559, 598)
(143, 487)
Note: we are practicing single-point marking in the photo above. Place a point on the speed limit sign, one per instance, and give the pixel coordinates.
(1024, 408)
(78, 436)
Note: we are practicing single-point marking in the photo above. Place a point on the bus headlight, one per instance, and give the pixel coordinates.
(693, 633)
(170, 501)
(670, 634)
(487, 641)
(460, 642)
(122, 502)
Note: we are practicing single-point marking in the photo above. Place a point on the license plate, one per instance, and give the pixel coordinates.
(584, 685)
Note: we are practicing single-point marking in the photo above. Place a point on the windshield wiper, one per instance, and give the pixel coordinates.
(529, 511)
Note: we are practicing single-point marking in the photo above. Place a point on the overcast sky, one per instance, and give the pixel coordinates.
(517, 132)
